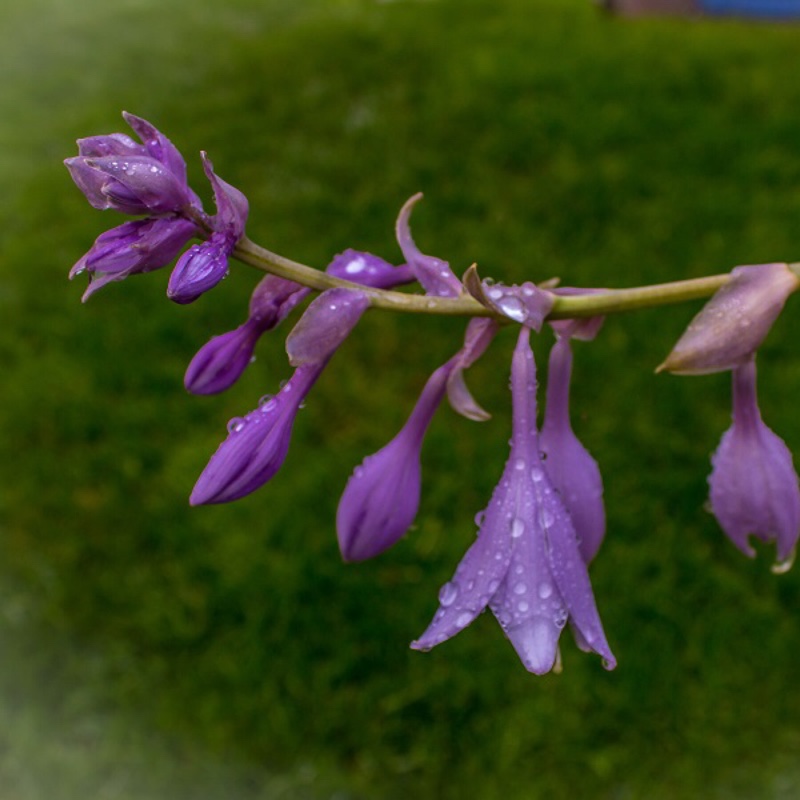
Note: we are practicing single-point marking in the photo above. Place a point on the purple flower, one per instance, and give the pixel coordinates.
(369, 270)
(204, 265)
(525, 565)
(754, 487)
(381, 498)
(257, 444)
(137, 246)
(571, 469)
(116, 172)
(433, 273)
(732, 325)
(220, 362)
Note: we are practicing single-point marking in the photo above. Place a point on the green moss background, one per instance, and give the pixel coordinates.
(150, 650)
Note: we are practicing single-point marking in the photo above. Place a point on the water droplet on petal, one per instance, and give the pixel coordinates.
(537, 475)
(782, 567)
(519, 463)
(464, 618)
(546, 518)
(523, 606)
(545, 590)
(512, 307)
(479, 518)
(448, 593)
(235, 425)
(520, 588)
(517, 528)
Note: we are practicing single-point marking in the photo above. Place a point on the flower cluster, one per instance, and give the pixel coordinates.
(545, 521)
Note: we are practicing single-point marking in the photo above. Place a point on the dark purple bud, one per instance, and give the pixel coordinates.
(754, 486)
(571, 469)
(525, 564)
(369, 270)
(222, 360)
(433, 273)
(732, 325)
(382, 496)
(199, 269)
(256, 445)
(138, 246)
(326, 323)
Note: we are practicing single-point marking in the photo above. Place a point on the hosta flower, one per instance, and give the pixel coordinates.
(116, 172)
(382, 496)
(134, 247)
(732, 325)
(257, 444)
(754, 487)
(204, 265)
(525, 564)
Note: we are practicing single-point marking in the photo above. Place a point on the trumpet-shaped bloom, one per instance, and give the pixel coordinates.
(732, 325)
(571, 469)
(204, 265)
(754, 486)
(134, 247)
(525, 564)
(257, 444)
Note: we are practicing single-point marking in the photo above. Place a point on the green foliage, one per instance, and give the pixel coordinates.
(549, 140)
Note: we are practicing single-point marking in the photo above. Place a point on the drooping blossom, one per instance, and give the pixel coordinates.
(204, 265)
(382, 496)
(433, 274)
(570, 466)
(257, 444)
(525, 564)
(731, 326)
(753, 484)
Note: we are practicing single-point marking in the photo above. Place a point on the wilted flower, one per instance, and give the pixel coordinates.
(204, 265)
(257, 444)
(732, 325)
(754, 487)
(525, 564)
(137, 246)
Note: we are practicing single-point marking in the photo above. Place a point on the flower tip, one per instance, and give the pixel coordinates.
(782, 566)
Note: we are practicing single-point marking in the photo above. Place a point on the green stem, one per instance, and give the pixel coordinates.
(612, 301)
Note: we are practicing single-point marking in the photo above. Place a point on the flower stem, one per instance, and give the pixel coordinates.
(613, 301)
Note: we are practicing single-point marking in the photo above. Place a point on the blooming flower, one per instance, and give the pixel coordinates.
(204, 265)
(525, 564)
(732, 325)
(754, 487)
(257, 444)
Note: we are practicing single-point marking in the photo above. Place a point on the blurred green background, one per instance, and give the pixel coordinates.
(150, 650)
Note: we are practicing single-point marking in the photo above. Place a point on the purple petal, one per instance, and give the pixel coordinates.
(433, 273)
(232, 205)
(274, 299)
(754, 486)
(381, 498)
(326, 323)
(369, 270)
(256, 445)
(480, 332)
(158, 146)
(199, 269)
(114, 144)
(582, 328)
(570, 467)
(527, 304)
(732, 325)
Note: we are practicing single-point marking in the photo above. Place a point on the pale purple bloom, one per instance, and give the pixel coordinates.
(382, 496)
(570, 468)
(116, 172)
(204, 265)
(221, 361)
(257, 444)
(134, 247)
(525, 564)
(732, 325)
(434, 274)
(754, 486)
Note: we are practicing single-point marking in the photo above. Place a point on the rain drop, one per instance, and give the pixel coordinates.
(545, 590)
(517, 528)
(448, 593)
(513, 308)
(464, 618)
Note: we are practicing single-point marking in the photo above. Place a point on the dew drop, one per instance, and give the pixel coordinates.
(235, 425)
(519, 463)
(546, 518)
(560, 617)
(545, 590)
(464, 619)
(495, 293)
(520, 588)
(782, 567)
(517, 528)
(512, 307)
(493, 585)
(479, 518)
(537, 476)
(523, 606)
(448, 593)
